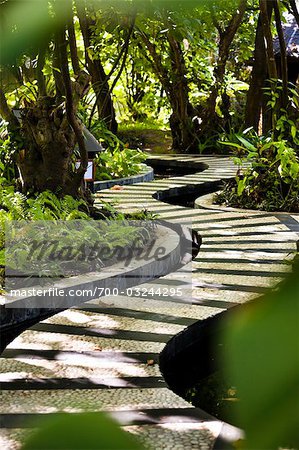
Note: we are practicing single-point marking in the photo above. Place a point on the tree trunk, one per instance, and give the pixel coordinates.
(46, 133)
(225, 41)
(294, 9)
(182, 126)
(265, 18)
(258, 77)
(175, 85)
(283, 56)
(256, 101)
(98, 76)
(45, 157)
(184, 139)
(73, 47)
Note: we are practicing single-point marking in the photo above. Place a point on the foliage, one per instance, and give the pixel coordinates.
(61, 218)
(44, 206)
(262, 357)
(119, 163)
(215, 396)
(15, 206)
(80, 431)
(7, 167)
(270, 182)
(285, 121)
(75, 246)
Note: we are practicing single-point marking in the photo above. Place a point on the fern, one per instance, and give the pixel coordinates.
(13, 202)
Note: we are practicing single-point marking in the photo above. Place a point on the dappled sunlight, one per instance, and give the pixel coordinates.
(20, 343)
(26, 367)
(108, 325)
(213, 426)
(55, 341)
(101, 360)
(220, 225)
(84, 367)
(11, 376)
(187, 435)
(10, 439)
(249, 254)
(72, 316)
(78, 365)
(35, 363)
(48, 341)
(94, 83)
(226, 233)
(233, 257)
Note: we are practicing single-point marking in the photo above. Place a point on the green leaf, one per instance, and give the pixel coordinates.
(293, 131)
(246, 143)
(89, 431)
(262, 356)
(241, 186)
(232, 144)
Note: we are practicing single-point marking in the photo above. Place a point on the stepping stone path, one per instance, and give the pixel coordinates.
(103, 356)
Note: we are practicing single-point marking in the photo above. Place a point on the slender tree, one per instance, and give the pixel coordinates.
(95, 68)
(259, 74)
(264, 51)
(283, 55)
(266, 15)
(172, 74)
(294, 10)
(226, 37)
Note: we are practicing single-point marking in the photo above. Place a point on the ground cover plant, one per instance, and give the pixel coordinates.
(45, 218)
(112, 164)
(117, 160)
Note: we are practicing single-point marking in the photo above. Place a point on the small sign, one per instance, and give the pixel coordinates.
(89, 174)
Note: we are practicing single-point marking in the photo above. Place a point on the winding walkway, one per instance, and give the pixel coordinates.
(103, 356)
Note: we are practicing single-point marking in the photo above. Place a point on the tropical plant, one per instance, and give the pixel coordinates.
(119, 163)
(285, 120)
(270, 182)
(7, 167)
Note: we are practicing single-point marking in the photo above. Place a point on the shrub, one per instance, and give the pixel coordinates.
(271, 181)
(119, 163)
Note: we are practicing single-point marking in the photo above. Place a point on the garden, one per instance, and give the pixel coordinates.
(149, 220)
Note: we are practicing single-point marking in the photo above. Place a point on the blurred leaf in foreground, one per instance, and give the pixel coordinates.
(88, 431)
(25, 25)
(263, 360)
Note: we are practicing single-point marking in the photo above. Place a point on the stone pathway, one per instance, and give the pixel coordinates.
(103, 356)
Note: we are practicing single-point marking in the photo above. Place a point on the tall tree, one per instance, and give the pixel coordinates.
(96, 69)
(264, 51)
(44, 132)
(258, 77)
(226, 37)
(164, 51)
(166, 40)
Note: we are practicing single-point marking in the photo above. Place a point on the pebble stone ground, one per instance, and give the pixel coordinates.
(103, 355)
